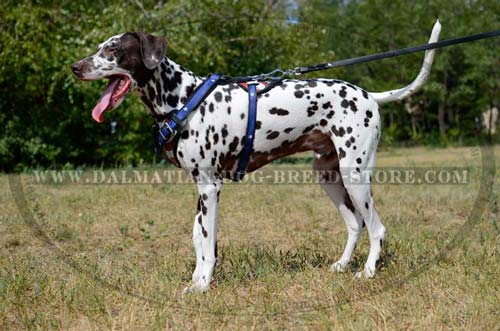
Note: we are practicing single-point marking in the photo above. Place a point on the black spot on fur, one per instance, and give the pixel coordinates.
(312, 83)
(343, 92)
(299, 94)
(288, 130)
(352, 104)
(224, 131)
(348, 202)
(273, 135)
(278, 111)
(174, 81)
(340, 132)
(234, 144)
(190, 89)
(218, 96)
(309, 128)
(172, 100)
(342, 153)
(151, 92)
(352, 86)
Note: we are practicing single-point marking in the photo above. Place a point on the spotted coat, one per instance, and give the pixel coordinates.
(338, 121)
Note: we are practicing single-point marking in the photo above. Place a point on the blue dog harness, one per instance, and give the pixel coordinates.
(252, 116)
(171, 126)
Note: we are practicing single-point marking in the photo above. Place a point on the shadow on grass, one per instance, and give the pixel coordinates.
(243, 264)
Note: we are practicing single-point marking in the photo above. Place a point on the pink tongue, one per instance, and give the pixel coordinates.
(104, 101)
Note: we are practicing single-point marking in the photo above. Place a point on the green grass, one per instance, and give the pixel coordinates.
(118, 257)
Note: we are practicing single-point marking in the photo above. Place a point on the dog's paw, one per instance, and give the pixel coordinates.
(194, 289)
(199, 286)
(337, 267)
(366, 273)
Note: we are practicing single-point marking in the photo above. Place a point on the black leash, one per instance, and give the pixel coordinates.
(279, 74)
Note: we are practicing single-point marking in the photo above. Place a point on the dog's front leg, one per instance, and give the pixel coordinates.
(205, 235)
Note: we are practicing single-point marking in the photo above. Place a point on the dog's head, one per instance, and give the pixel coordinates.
(128, 60)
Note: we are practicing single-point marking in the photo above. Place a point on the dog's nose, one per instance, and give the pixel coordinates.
(76, 68)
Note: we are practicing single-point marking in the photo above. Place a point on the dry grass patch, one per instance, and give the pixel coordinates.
(120, 256)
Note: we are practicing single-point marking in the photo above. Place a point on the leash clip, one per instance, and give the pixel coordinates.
(276, 74)
(295, 71)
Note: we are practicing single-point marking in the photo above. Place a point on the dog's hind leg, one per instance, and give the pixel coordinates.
(363, 202)
(205, 234)
(356, 170)
(326, 167)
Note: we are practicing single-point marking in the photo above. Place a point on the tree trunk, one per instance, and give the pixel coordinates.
(441, 121)
(442, 108)
(414, 126)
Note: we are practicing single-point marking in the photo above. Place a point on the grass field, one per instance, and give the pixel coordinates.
(116, 257)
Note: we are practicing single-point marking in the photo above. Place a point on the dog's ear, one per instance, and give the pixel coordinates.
(153, 49)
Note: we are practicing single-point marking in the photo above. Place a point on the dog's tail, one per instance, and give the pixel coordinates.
(405, 92)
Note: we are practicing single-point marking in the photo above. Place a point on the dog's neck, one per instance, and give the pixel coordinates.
(168, 88)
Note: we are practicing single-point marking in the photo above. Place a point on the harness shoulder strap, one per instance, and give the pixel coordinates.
(172, 125)
(250, 134)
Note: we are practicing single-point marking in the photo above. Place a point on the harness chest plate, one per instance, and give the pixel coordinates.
(166, 136)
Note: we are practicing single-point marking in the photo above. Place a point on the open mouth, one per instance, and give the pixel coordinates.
(112, 96)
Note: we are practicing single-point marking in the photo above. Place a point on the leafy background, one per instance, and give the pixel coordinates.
(45, 112)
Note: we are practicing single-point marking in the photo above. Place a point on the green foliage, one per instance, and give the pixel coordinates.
(45, 112)
(464, 79)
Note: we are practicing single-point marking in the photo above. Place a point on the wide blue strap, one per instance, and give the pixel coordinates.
(252, 117)
(170, 127)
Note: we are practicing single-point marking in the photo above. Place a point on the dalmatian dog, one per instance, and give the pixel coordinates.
(340, 122)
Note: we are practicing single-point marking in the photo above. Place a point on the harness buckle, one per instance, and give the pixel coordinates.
(172, 132)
